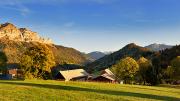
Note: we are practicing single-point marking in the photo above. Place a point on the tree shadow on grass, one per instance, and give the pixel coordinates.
(154, 89)
(108, 92)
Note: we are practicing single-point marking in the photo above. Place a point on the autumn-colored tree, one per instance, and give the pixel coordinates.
(37, 61)
(144, 65)
(125, 69)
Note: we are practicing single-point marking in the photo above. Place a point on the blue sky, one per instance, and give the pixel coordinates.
(97, 25)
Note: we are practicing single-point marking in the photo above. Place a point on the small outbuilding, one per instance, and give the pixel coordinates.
(105, 76)
(14, 74)
(74, 75)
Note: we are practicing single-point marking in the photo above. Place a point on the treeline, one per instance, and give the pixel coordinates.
(35, 59)
(132, 64)
(38, 61)
(15, 49)
(163, 67)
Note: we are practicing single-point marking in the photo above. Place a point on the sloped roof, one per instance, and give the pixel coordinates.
(110, 77)
(70, 74)
(106, 74)
(12, 71)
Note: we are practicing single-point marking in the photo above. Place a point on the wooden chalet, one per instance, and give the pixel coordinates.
(105, 76)
(74, 75)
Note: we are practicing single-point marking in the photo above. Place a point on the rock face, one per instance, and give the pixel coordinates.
(14, 42)
(158, 47)
(11, 32)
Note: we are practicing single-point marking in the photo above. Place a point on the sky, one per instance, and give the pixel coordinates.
(97, 25)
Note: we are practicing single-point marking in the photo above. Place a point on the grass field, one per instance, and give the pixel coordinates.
(37, 90)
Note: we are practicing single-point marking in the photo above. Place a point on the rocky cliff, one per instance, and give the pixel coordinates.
(14, 42)
(11, 32)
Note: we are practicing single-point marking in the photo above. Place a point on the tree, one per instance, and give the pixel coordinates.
(3, 62)
(155, 72)
(169, 73)
(37, 62)
(125, 69)
(175, 64)
(27, 66)
(144, 65)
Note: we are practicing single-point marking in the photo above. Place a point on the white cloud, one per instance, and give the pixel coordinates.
(14, 2)
(143, 20)
(69, 24)
(15, 5)
(20, 5)
(99, 1)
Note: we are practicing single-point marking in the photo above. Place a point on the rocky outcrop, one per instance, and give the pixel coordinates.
(158, 47)
(11, 32)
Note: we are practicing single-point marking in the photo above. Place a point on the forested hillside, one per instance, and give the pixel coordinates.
(15, 49)
(168, 55)
(131, 50)
(15, 41)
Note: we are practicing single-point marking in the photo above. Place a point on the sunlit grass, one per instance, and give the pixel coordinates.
(39, 90)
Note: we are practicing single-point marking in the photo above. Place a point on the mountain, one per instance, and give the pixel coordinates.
(158, 47)
(15, 41)
(131, 50)
(11, 32)
(96, 55)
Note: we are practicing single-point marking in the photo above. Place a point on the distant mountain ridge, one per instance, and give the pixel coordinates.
(153, 47)
(158, 47)
(96, 55)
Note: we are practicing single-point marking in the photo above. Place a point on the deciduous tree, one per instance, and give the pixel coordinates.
(37, 61)
(125, 69)
(144, 65)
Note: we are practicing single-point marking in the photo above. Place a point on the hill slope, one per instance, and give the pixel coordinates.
(169, 54)
(131, 50)
(14, 41)
(14, 50)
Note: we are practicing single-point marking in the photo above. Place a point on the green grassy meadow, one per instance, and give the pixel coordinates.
(40, 90)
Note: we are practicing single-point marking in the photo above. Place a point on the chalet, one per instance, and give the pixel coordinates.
(14, 73)
(74, 75)
(105, 76)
